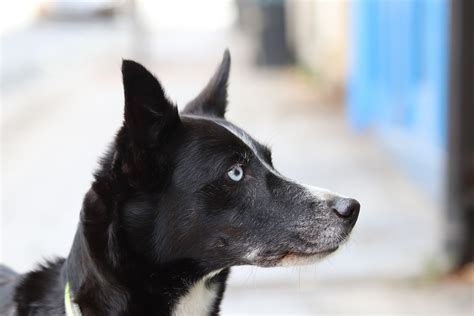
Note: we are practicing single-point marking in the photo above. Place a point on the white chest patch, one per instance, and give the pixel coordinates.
(199, 300)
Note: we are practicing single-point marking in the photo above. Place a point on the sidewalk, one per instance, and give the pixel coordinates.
(351, 298)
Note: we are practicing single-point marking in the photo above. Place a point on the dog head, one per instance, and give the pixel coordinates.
(198, 187)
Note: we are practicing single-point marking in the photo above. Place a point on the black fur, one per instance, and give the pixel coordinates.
(212, 101)
(163, 213)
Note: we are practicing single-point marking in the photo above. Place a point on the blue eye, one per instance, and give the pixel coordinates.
(236, 173)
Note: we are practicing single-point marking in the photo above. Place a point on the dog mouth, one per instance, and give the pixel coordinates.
(321, 253)
(293, 257)
(300, 249)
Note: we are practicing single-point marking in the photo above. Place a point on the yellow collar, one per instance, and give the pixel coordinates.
(72, 309)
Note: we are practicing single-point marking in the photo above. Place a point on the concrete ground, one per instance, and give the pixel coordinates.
(62, 102)
(350, 297)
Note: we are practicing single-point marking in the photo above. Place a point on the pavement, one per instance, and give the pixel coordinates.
(62, 103)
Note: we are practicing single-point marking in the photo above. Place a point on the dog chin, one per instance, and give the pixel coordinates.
(300, 259)
(292, 258)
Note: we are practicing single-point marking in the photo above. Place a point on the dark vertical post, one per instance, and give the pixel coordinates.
(461, 134)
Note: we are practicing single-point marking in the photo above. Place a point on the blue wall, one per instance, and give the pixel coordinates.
(398, 80)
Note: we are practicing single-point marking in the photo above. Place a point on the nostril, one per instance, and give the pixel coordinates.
(344, 207)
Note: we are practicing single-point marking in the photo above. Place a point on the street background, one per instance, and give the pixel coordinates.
(62, 101)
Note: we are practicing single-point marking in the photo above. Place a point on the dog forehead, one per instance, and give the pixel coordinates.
(239, 133)
(261, 151)
(215, 129)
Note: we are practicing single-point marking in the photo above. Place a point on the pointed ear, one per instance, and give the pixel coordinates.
(149, 115)
(212, 100)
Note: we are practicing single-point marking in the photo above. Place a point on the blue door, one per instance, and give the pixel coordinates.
(397, 83)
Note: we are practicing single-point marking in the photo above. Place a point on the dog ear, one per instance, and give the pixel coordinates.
(149, 115)
(212, 100)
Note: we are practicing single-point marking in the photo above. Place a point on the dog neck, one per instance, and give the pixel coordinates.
(200, 299)
(104, 284)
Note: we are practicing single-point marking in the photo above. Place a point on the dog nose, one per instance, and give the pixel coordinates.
(344, 207)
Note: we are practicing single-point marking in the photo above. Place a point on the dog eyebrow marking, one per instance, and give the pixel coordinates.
(245, 138)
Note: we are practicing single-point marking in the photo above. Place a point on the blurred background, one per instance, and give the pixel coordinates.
(372, 98)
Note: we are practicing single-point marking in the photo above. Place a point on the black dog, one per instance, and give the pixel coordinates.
(178, 199)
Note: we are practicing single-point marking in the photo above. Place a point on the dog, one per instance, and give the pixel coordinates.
(178, 199)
